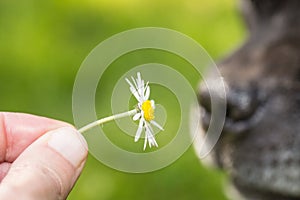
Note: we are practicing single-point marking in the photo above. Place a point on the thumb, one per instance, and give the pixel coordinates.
(48, 168)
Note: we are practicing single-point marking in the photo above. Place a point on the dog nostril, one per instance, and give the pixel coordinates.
(241, 104)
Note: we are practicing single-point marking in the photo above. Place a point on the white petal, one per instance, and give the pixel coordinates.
(133, 90)
(139, 130)
(128, 81)
(135, 93)
(141, 90)
(151, 139)
(149, 127)
(147, 84)
(136, 116)
(155, 142)
(156, 124)
(143, 85)
(133, 80)
(152, 104)
(146, 134)
(139, 81)
(145, 142)
(142, 116)
(149, 136)
(147, 93)
(139, 78)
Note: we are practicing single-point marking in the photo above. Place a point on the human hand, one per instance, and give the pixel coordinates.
(40, 158)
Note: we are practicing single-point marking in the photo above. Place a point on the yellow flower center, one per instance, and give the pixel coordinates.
(148, 110)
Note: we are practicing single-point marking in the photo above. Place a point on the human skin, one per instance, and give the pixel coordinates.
(40, 158)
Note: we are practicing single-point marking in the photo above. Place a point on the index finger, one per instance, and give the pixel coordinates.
(19, 130)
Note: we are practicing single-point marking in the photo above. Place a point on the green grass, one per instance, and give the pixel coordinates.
(43, 43)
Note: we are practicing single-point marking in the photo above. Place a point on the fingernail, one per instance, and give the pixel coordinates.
(69, 143)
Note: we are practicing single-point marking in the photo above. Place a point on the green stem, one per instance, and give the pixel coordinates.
(107, 119)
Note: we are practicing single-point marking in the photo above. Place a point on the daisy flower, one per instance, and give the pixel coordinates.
(145, 110)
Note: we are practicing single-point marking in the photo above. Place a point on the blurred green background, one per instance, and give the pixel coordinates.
(43, 43)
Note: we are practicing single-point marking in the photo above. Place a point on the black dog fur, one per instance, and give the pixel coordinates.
(263, 96)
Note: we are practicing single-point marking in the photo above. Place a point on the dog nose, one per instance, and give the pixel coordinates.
(241, 105)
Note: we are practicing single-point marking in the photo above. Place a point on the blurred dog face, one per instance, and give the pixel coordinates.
(260, 142)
